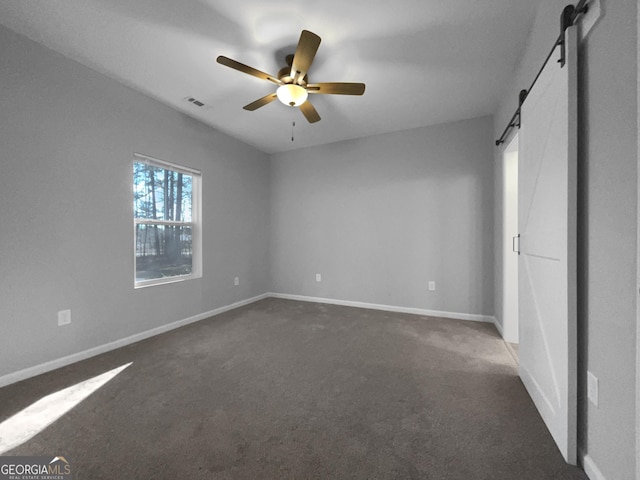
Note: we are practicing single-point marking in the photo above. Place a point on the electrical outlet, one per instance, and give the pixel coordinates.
(236, 281)
(432, 286)
(64, 317)
(592, 388)
(318, 277)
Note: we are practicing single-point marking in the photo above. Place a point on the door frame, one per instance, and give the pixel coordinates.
(512, 147)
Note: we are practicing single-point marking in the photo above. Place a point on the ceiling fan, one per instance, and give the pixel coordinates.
(293, 87)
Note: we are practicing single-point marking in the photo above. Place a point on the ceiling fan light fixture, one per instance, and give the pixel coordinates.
(292, 95)
(293, 84)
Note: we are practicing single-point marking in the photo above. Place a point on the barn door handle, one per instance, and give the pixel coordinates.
(513, 243)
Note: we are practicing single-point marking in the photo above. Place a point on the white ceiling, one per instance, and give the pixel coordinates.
(424, 61)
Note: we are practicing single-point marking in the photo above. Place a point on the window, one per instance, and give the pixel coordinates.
(166, 217)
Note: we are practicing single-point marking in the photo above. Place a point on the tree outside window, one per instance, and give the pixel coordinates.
(165, 201)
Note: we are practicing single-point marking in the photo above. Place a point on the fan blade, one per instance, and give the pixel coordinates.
(305, 52)
(261, 102)
(309, 112)
(227, 62)
(336, 88)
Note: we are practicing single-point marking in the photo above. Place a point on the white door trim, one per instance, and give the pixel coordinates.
(510, 331)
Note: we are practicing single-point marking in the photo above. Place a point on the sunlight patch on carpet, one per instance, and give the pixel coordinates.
(27, 423)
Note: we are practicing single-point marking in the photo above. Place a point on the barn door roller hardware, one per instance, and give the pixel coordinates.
(568, 18)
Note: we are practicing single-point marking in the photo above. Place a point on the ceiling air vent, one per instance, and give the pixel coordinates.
(195, 101)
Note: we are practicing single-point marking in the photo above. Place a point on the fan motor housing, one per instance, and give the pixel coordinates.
(284, 75)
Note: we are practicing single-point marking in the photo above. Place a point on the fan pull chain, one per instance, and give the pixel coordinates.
(293, 124)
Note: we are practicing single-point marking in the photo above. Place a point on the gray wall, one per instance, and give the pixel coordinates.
(380, 216)
(67, 137)
(608, 190)
(606, 225)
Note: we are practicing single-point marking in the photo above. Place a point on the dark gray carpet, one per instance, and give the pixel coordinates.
(294, 390)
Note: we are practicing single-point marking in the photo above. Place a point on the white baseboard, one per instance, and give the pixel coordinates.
(590, 468)
(498, 327)
(92, 352)
(388, 308)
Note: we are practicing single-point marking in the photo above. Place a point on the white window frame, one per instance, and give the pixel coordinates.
(195, 223)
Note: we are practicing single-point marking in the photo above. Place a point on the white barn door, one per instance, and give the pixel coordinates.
(547, 261)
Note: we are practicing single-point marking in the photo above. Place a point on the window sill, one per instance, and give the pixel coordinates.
(164, 281)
